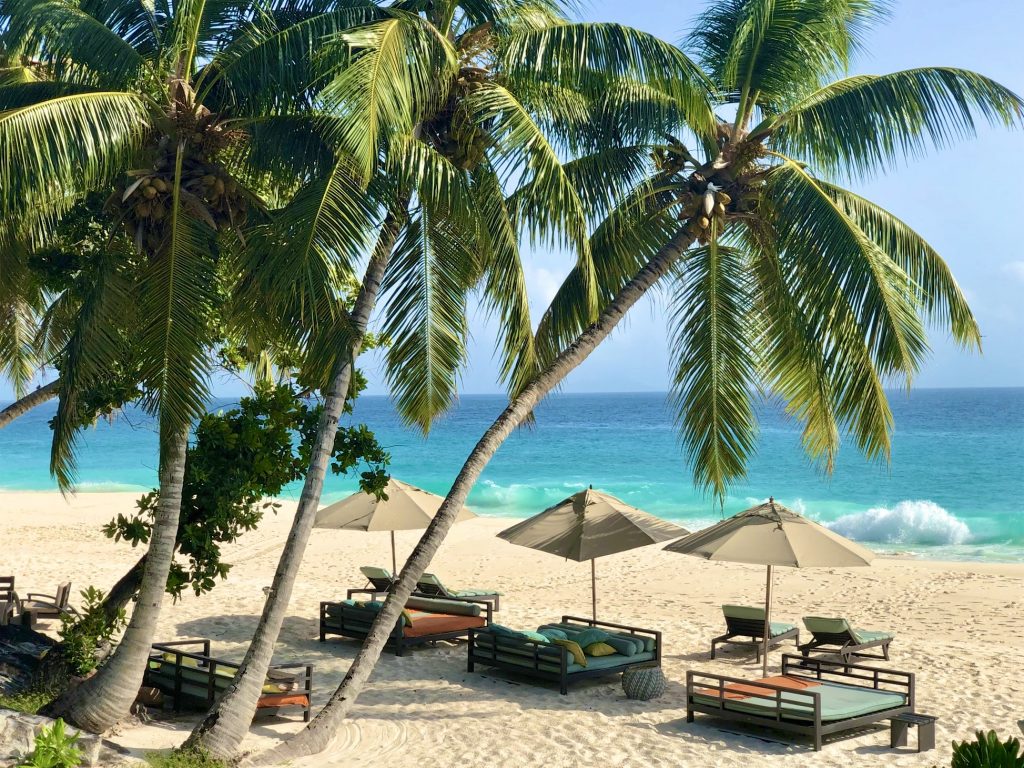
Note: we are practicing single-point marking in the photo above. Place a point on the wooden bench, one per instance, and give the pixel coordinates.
(184, 671)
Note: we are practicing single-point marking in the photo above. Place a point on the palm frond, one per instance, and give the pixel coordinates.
(433, 268)
(176, 299)
(941, 299)
(74, 143)
(713, 366)
(92, 347)
(884, 299)
(399, 69)
(866, 123)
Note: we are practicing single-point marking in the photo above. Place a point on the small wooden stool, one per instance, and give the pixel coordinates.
(900, 724)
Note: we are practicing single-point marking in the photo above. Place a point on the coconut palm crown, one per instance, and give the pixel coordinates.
(794, 286)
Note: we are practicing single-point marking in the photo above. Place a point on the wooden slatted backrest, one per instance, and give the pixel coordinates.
(6, 588)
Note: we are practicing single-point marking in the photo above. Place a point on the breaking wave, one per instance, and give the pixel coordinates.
(922, 523)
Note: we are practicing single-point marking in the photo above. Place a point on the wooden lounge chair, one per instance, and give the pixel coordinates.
(812, 697)
(10, 605)
(430, 586)
(192, 679)
(746, 621)
(42, 606)
(836, 635)
(378, 578)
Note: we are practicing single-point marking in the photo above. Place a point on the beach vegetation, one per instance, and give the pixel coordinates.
(87, 638)
(54, 748)
(780, 280)
(29, 700)
(236, 460)
(988, 751)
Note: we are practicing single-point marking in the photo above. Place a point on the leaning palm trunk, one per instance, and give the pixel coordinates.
(99, 702)
(318, 734)
(222, 730)
(28, 402)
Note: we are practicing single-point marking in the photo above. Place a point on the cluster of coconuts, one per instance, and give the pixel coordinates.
(705, 210)
(451, 131)
(206, 192)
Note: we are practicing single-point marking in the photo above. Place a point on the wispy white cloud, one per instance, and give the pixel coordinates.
(1015, 269)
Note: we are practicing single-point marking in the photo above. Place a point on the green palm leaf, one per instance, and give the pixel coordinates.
(865, 123)
(713, 366)
(433, 268)
(74, 142)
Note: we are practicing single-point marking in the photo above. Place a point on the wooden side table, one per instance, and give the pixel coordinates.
(900, 725)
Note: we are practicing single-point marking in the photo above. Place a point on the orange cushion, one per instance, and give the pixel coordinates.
(738, 691)
(282, 700)
(438, 623)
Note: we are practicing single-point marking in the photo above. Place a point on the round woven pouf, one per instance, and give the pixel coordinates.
(643, 683)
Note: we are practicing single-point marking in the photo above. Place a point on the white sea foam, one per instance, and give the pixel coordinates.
(922, 523)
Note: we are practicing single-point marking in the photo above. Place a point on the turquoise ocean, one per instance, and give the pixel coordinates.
(954, 489)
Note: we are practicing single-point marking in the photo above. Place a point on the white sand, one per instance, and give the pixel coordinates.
(958, 627)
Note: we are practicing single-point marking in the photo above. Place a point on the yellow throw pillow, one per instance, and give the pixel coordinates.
(185, 660)
(599, 649)
(408, 617)
(574, 648)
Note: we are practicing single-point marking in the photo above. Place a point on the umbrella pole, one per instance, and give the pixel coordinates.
(593, 586)
(767, 623)
(394, 560)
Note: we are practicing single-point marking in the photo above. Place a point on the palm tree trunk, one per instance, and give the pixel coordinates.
(28, 402)
(102, 700)
(124, 590)
(315, 737)
(222, 730)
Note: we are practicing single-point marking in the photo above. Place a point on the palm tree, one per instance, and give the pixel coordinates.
(781, 279)
(446, 109)
(145, 103)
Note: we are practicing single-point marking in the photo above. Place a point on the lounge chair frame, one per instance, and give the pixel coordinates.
(397, 641)
(845, 645)
(7, 593)
(754, 629)
(812, 669)
(210, 667)
(488, 656)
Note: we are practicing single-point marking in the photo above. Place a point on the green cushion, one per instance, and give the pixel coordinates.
(551, 633)
(624, 646)
(780, 627)
(838, 702)
(440, 605)
(372, 572)
(748, 612)
(869, 636)
(828, 625)
(591, 636)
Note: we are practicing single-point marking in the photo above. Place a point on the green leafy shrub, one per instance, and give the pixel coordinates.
(988, 752)
(83, 635)
(55, 748)
(189, 758)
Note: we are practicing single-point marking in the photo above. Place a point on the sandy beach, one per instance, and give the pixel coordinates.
(958, 628)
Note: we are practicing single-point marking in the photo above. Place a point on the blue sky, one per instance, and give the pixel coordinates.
(968, 201)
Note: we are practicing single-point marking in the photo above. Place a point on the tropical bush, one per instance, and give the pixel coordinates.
(55, 748)
(29, 701)
(185, 758)
(987, 751)
(84, 636)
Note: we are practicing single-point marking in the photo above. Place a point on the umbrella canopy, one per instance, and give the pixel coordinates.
(588, 525)
(770, 534)
(406, 508)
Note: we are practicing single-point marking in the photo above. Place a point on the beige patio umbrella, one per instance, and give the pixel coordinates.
(770, 534)
(407, 508)
(588, 525)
